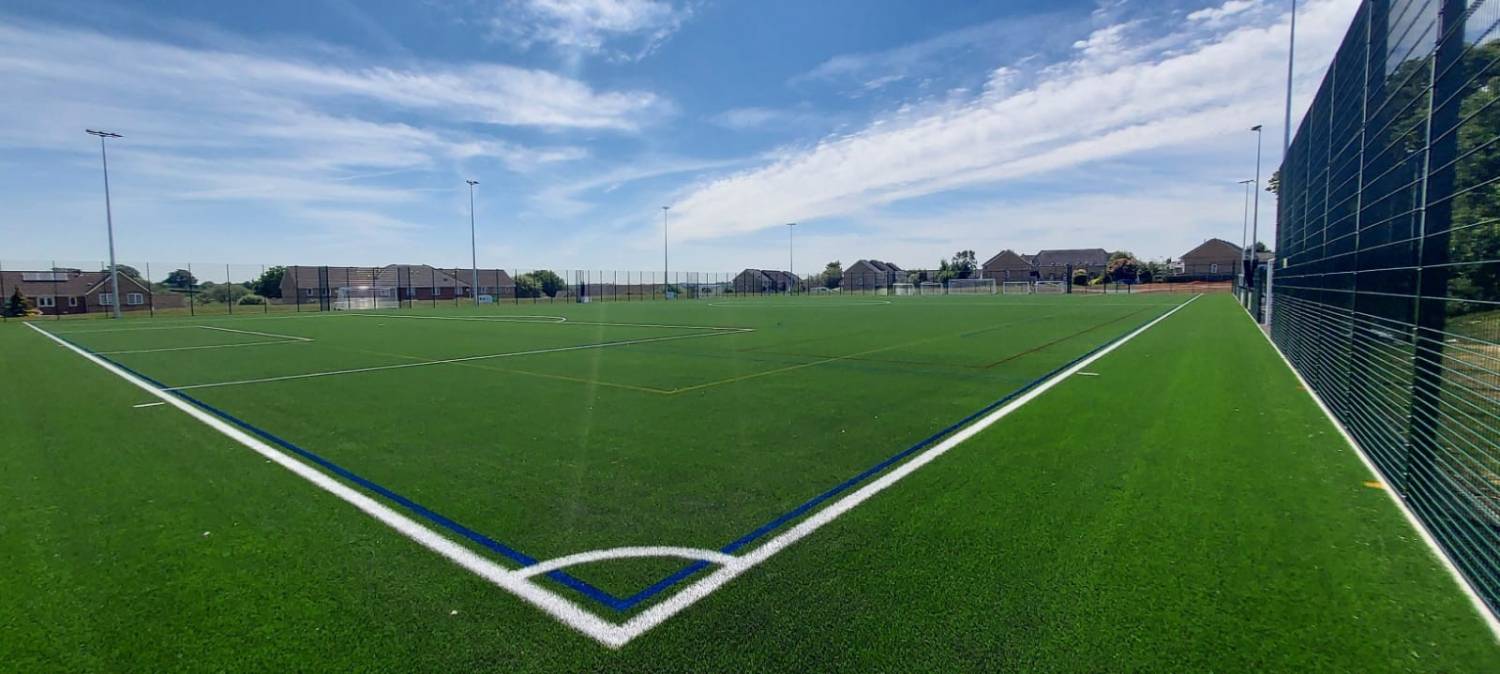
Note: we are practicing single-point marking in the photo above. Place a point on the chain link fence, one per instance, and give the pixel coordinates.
(1385, 293)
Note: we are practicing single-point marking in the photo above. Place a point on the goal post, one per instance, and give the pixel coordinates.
(971, 286)
(903, 289)
(930, 288)
(1016, 287)
(1050, 287)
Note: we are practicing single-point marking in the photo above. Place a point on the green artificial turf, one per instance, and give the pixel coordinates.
(1188, 508)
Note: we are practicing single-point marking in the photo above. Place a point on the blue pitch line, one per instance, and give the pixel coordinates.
(430, 515)
(689, 570)
(577, 584)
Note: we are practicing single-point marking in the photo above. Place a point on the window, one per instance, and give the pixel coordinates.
(106, 299)
(308, 292)
(135, 299)
(72, 301)
(46, 301)
(1213, 268)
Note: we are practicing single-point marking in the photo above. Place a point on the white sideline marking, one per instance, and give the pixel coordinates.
(690, 595)
(518, 318)
(1088, 374)
(799, 305)
(257, 334)
(558, 607)
(625, 553)
(148, 404)
(464, 359)
(1411, 517)
(281, 339)
(560, 319)
(516, 581)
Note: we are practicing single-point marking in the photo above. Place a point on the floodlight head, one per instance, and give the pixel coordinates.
(102, 134)
(791, 224)
(471, 182)
(1255, 128)
(1247, 181)
(666, 208)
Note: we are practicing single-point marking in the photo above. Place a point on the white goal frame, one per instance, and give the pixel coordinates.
(972, 286)
(1015, 287)
(930, 288)
(1050, 287)
(903, 289)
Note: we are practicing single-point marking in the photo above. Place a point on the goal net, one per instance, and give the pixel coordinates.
(903, 289)
(1016, 287)
(1050, 287)
(972, 286)
(361, 299)
(931, 288)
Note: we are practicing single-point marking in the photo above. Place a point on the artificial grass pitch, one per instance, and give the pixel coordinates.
(1187, 508)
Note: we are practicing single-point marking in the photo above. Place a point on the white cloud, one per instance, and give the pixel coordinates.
(1221, 12)
(1152, 93)
(588, 26)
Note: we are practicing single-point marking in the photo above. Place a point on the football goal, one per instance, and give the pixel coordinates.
(1050, 287)
(903, 289)
(931, 288)
(1016, 287)
(972, 286)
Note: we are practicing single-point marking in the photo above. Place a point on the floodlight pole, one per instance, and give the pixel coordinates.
(791, 269)
(1244, 230)
(665, 267)
(473, 246)
(1291, 56)
(109, 222)
(1255, 218)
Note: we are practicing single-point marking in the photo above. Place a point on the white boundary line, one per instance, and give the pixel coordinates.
(446, 361)
(812, 304)
(1411, 517)
(656, 614)
(560, 608)
(563, 610)
(280, 339)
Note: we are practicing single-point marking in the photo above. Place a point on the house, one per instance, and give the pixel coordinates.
(765, 281)
(1213, 258)
(871, 274)
(402, 282)
(1053, 265)
(1007, 265)
(62, 290)
(493, 282)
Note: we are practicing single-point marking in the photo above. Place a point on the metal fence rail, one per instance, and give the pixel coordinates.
(1387, 285)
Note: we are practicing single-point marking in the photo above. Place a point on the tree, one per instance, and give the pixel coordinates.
(527, 286)
(181, 279)
(1080, 277)
(945, 272)
(130, 271)
(268, 284)
(1260, 247)
(833, 275)
(550, 282)
(18, 306)
(1125, 268)
(964, 264)
(1273, 184)
(221, 292)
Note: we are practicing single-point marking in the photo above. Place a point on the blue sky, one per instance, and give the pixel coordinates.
(340, 132)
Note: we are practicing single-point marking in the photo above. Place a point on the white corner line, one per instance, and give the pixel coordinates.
(563, 610)
(660, 612)
(592, 556)
(148, 404)
(1088, 374)
(1411, 517)
(257, 334)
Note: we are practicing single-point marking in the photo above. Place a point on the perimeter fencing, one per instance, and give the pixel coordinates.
(1386, 290)
(63, 289)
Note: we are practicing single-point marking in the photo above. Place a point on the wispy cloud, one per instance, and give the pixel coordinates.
(1117, 94)
(590, 26)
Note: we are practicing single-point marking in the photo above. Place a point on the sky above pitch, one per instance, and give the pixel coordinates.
(341, 132)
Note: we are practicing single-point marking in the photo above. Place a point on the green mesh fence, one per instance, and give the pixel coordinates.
(1385, 292)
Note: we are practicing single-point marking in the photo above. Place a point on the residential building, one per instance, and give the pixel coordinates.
(63, 290)
(871, 274)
